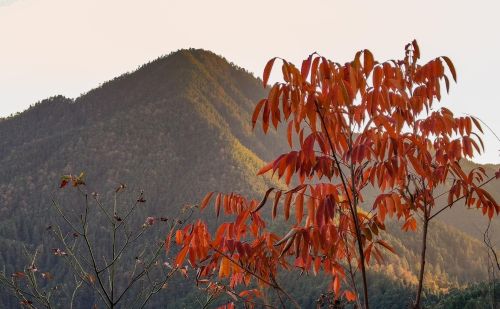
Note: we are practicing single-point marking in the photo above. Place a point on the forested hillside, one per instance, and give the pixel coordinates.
(177, 128)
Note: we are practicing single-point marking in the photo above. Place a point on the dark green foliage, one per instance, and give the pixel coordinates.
(479, 296)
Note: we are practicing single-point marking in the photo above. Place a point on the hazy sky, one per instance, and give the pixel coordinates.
(68, 47)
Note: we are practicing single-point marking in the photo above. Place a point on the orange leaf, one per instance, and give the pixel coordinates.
(265, 169)
(336, 286)
(387, 246)
(64, 182)
(265, 117)
(382, 211)
(168, 241)
(263, 202)
(217, 203)
(299, 207)
(181, 256)
(306, 67)
(310, 211)
(368, 253)
(179, 237)
(350, 296)
(288, 200)
(289, 133)
(368, 61)
(316, 265)
(491, 212)
(224, 269)
(377, 77)
(410, 224)
(476, 123)
(451, 67)
(256, 112)
(275, 205)
(205, 201)
(288, 235)
(287, 245)
(267, 71)
(416, 165)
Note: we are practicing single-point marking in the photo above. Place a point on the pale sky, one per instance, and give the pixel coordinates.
(68, 47)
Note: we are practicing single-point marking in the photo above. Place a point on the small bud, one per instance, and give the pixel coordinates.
(26, 302)
(150, 220)
(58, 252)
(18, 275)
(47, 276)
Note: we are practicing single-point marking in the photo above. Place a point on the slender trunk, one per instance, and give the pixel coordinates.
(352, 207)
(113, 256)
(113, 268)
(418, 298)
(361, 258)
(352, 274)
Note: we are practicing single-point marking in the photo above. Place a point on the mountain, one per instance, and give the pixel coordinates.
(178, 127)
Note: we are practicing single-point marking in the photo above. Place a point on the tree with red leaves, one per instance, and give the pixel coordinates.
(359, 126)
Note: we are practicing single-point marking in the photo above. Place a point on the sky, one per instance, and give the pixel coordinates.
(50, 47)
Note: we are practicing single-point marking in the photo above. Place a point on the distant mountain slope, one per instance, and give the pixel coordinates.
(177, 127)
(169, 110)
(172, 128)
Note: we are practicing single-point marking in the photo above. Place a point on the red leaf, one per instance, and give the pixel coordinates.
(410, 224)
(256, 112)
(350, 296)
(377, 77)
(451, 67)
(205, 201)
(218, 203)
(476, 123)
(267, 71)
(64, 182)
(275, 205)
(288, 200)
(416, 165)
(265, 169)
(387, 246)
(287, 245)
(179, 237)
(168, 241)
(265, 117)
(306, 67)
(368, 61)
(416, 49)
(336, 286)
(263, 202)
(181, 256)
(299, 207)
